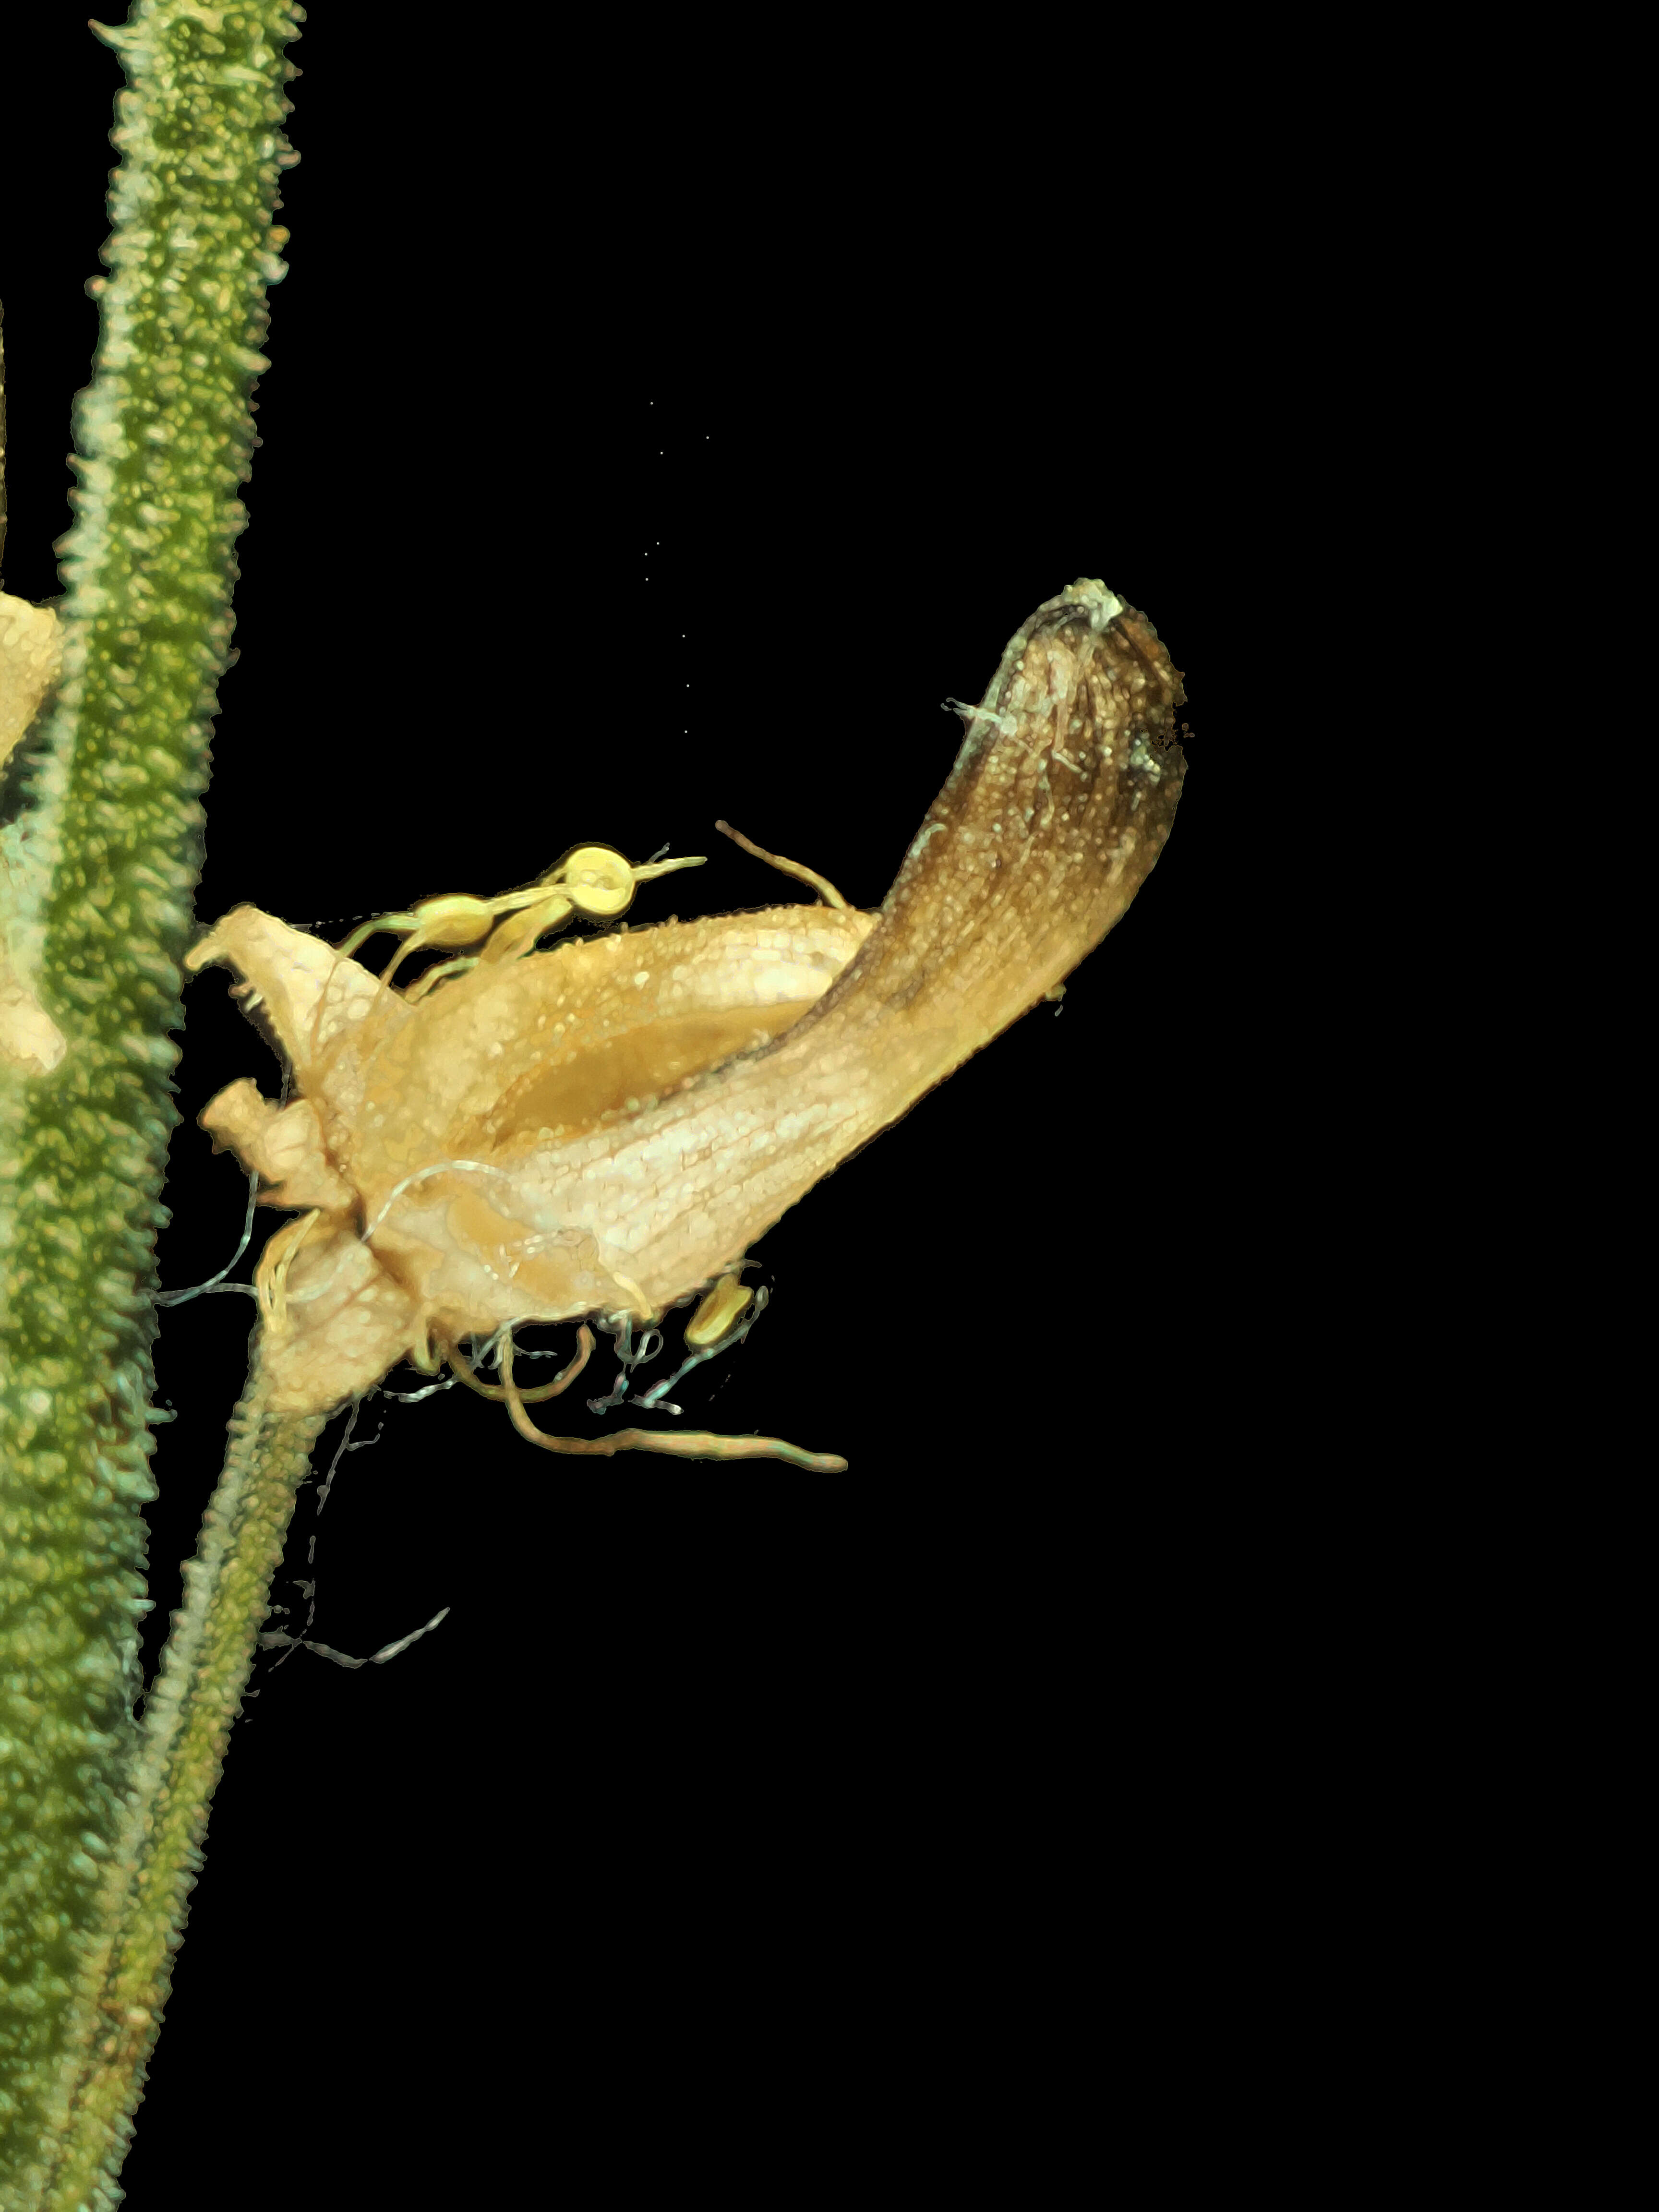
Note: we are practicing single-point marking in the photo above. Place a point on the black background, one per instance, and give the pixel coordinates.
(620, 470)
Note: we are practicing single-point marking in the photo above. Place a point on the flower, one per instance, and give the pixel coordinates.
(605, 1127)
(429, 1139)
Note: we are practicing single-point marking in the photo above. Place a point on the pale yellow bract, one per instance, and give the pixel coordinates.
(31, 656)
(604, 1128)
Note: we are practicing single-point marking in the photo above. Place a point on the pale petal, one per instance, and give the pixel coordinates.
(31, 659)
(399, 1090)
(339, 1323)
(283, 1145)
(310, 997)
(29, 1038)
(564, 1040)
(31, 656)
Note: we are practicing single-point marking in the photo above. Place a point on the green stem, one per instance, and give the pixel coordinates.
(187, 1722)
(103, 917)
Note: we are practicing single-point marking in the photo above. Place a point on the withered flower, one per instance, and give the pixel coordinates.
(604, 1128)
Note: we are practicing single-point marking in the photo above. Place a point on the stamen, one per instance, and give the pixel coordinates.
(700, 1445)
(821, 885)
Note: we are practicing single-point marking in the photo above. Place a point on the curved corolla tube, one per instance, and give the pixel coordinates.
(606, 1127)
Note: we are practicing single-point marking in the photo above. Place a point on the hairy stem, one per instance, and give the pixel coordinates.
(103, 912)
(186, 1725)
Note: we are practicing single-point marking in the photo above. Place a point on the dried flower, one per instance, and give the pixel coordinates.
(605, 1127)
(430, 1140)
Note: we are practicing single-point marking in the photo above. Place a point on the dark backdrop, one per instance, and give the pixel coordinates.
(614, 479)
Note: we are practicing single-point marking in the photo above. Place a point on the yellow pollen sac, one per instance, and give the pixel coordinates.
(601, 884)
(454, 919)
(599, 881)
(723, 1306)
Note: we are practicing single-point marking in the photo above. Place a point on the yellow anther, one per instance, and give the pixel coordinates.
(594, 880)
(452, 919)
(599, 881)
(601, 884)
(720, 1311)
